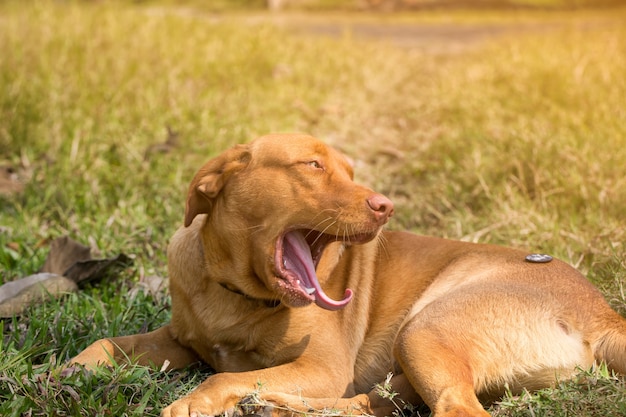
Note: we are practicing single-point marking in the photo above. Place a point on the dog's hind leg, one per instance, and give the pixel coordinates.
(478, 341)
(440, 374)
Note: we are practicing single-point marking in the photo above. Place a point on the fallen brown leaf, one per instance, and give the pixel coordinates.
(68, 264)
(96, 269)
(16, 296)
(152, 285)
(73, 260)
(65, 252)
(9, 181)
(171, 142)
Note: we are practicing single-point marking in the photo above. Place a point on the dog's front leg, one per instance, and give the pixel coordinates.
(223, 391)
(156, 348)
(377, 402)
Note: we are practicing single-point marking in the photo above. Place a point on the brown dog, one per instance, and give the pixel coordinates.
(282, 278)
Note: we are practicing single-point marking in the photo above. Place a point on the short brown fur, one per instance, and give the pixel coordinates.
(451, 320)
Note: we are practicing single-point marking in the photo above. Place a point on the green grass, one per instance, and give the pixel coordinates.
(521, 142)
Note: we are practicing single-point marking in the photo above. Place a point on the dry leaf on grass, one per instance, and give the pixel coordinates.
(68, 264)
(73, 260)
(96, 269)
(65, 252)
(171, 142)
(16, 296)
(152, 285)
(10, 182)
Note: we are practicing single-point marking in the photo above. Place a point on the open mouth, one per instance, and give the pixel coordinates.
(297, 255)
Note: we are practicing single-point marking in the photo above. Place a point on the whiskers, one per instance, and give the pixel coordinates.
(325, 224)
(381, 241)
(351, 232)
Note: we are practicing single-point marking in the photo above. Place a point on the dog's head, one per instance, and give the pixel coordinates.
(273, 206)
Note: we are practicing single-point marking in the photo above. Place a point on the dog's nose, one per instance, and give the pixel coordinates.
(381, 205)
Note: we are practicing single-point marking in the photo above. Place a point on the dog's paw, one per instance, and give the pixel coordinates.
(190, 407)
(252, 406)
(97, 354)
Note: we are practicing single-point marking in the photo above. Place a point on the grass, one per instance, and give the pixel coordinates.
(520, 142)
(595, 393)
(387, 5)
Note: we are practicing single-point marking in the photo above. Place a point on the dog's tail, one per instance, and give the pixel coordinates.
(611, 345)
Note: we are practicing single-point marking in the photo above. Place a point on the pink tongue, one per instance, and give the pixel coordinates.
(297, 257)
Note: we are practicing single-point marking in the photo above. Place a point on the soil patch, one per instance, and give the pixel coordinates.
(435, 38)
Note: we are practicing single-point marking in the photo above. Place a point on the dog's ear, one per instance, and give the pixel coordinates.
(211, 178)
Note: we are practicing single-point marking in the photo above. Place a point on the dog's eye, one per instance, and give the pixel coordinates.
(315, 164)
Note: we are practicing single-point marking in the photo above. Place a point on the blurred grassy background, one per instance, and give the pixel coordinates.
(518, 139)
(386, 5)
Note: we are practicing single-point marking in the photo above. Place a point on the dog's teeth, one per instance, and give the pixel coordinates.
(310, 290)
(285, 263)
